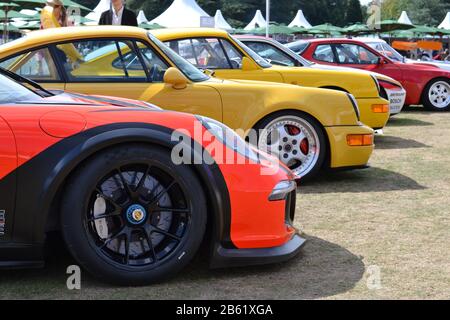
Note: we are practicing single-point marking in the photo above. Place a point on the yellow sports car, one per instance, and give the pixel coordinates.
(229, 58)
(308, 128)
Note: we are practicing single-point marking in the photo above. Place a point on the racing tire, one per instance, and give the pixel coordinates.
(131, 217)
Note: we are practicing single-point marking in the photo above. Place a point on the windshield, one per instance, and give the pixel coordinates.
(302, 60)
(13, 92)
(258, 59)
(387, 50)
(188, 69)
(298, 47)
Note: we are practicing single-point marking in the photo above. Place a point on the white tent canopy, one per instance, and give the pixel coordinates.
(220, 21)
(404, 18)
(257, 22)
(141, 18)
(103, 5)
(300, 21)
(181, 14)
(446, 23)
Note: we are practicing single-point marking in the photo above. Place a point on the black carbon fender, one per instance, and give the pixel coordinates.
(41, 179)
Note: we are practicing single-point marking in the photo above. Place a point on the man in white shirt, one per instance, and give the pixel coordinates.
(118, 15)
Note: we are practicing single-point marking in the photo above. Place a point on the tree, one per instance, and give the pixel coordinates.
(430, 12)
(391, 9)
(152, 8)
(354, 13)
(332, 11)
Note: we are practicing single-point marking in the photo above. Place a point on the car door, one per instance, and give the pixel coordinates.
(360, 57)
(135, 70)
(8, 165)
(36, 64)
(222, 57)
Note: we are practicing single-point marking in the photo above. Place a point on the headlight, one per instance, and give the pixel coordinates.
(229, 138)
(282, 189)
(355, 105)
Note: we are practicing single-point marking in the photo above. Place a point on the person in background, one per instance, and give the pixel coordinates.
(442, 55)
(118, 15)
(54, 15)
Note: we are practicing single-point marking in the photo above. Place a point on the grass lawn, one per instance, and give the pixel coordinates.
(392, 220)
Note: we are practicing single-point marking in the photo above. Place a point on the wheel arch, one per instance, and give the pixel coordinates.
(425, 88)
(215, 203)
(335, 88)
(53, 173)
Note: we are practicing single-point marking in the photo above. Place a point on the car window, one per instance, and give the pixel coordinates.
(102, 60)
(355, 54)
(298, 47)
(13, 92)
(204, 53)
(184, 48)
(253, 55)
(324, 52)
(271, 53)
(390, 52)
(189, 70)
(153, 64)
(37, 65)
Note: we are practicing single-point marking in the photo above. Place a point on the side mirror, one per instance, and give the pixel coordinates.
(175, 78)
(249, 65)
(381, 60)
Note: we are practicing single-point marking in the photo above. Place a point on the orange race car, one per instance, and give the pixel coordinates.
(132, 188)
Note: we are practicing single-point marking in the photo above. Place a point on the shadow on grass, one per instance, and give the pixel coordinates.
(322, 269)
(391, 142)
(415, 109)
(403, 122)
(369, 180)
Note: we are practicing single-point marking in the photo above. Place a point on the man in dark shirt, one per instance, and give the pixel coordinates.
(118, 15)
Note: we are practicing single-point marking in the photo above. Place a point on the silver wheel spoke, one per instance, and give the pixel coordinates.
(287, 146)
(439, 94)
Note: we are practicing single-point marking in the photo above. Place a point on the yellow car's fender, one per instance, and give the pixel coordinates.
(246, 103)
(359, 84)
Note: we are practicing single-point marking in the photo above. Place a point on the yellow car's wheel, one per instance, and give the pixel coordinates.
(297, 139)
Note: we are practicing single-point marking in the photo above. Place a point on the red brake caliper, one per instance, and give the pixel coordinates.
(304, 145)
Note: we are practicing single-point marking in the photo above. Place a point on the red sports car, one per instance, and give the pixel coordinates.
(107, 174)
(425, 84)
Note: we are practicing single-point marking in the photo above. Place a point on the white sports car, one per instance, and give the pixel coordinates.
(383, 47)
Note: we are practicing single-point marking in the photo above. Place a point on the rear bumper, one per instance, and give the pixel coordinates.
(370, 118)
(341, 154)
(397, 100)
(225, 258)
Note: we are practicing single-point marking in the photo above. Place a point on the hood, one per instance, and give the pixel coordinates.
(336, 68)
(440, 65)
(68, 98)
(418, 66)
(379, 76)
(263, 84)
(359, 83)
